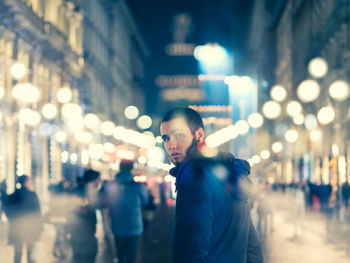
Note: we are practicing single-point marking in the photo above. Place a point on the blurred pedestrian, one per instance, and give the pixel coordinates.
(212, 218)
(60, 205)
(83, 220)
(125, 201)
(346, 194)
(148, 212)
(299, 210)
(22, 209)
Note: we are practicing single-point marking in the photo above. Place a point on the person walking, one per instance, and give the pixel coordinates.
(22, 209)
(125, 201)
(82, 218)
(212, 214)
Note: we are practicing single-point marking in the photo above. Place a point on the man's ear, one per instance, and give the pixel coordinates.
(199, 135)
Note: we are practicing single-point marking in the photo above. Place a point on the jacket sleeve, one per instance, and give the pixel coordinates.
(254, 251)
(193, 219)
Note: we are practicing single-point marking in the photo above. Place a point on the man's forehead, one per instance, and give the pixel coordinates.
(178, 123)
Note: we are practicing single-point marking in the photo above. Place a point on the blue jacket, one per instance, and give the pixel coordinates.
(212, 218)
(125, 200)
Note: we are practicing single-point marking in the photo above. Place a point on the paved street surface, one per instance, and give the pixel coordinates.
(323, 240)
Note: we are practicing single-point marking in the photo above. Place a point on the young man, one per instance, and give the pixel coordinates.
(212, 218)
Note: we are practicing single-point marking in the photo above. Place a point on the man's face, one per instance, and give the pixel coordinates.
(177, 137)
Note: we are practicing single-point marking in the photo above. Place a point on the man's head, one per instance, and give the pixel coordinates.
(126, 165)
(181, 130)
(24, 181)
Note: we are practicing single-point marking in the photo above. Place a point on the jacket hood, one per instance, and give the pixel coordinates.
(236, 182)
(124, 177)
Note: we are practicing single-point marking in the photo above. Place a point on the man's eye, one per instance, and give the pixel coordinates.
(165, 138)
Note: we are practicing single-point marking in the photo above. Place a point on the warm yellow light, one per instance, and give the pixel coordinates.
(29, 117)
(49, 111)
(159, 139)
(84, 137)
(91, 121)
(271, 109)
(318, 67)
(107, 128)
(308, 90)
(26, 92)
(278, 93)
(242, 127)
(335, 149)
(144, 122)
(131, 112)
(339, 90)
(119, 133)
(315, 135)
(326, 115)
(294, 108)
(256, 159)
(96, 151)
(60, 136)
(109, 147)
(255, 120)
(277, 147)
(291, 135)
(64, 95)
(265, 154)
(71, 111)
(18, 70)
(299, 119)
(142, 159)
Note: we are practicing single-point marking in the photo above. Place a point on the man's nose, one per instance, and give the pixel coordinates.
(172, 144)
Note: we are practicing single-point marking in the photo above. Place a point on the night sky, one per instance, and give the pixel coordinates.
(223, 21)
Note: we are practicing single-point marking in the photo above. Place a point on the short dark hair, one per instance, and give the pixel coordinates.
(22, 179)
(192, 117)
(126, 165)
(90, 176)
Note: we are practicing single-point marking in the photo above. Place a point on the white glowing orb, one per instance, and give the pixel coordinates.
(299, 119)
(291, 135)
(318, 67)
(107, 128)
(271, 109)
(277, 147)
(294, 108)
(144, 122)
(91, 121)
(26, 92)
(308, 90)
(64, 95)
(242, 127)
(255, 120)
(131, 112)
(49, 111)
(316, 135)
(18, 70)
(339, 90)
(326, 115)
(278, 93)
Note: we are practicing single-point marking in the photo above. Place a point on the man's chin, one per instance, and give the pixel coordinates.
(177, 161)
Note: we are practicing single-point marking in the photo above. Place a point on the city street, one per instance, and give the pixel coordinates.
(322, 241)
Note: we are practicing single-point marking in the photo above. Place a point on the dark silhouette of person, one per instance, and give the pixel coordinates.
(22, 209)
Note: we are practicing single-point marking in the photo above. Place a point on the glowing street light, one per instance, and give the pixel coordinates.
(294, 108)
(144, 122)
(60, 136)
(271, 109)
(308, 90)
(26, 92)
(255, 120)
(265, 154)
(18, 70)
(212, 53)
(277, 147)
(49, 111)
(242, 127)
(278, 93)
(326, 115)
(318, 67)
(91, 121)
(315, 135)
(291, 135)
(107, 128)
(131, 112)
(299, 119)
(71, 111)
(64, 95)
(339, 90)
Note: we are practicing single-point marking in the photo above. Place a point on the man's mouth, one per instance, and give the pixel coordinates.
(175, 155)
